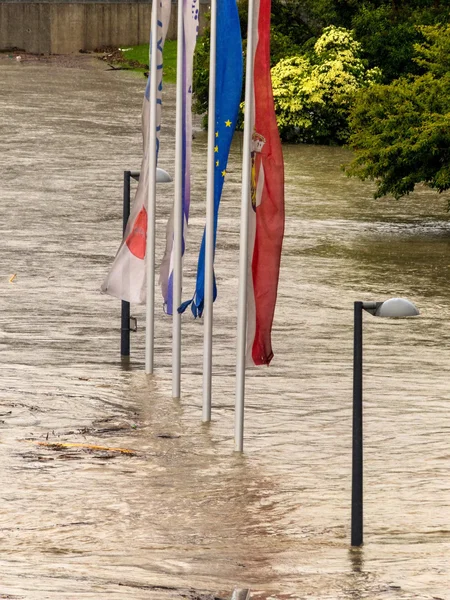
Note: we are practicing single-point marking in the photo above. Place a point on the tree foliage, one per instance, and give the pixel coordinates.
(313, 94)
(287, 18)
(288, 32)
(388, 40)
(314, 91)
(386, 29)
(401, 131)
(433, 55)
(200, 79)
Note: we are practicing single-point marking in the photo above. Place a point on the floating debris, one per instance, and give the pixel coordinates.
(67, 445)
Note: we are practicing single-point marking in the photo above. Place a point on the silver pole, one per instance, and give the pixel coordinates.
(150, 251)
(209, 245)
(243, 249)
(178, 213)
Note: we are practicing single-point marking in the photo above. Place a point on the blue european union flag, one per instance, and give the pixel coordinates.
(228, 96)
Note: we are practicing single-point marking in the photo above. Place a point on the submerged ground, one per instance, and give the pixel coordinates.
(183, 516)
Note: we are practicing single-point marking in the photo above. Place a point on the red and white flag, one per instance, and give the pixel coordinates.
(127, 277)
(266, 219)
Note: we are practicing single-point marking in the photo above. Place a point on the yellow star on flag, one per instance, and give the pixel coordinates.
(228, 123)
(217, 163)
(217, 134)
(224, 173)
(216, 148)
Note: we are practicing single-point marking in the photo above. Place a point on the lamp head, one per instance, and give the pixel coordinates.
(394, 308)
(162, 176)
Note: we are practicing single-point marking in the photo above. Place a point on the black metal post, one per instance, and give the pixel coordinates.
(357, 454)
(125, 314)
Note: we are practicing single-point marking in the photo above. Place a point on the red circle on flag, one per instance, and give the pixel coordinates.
(137, 240)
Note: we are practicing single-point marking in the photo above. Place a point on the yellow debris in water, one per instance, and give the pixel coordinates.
(11, 279)
(65, 445)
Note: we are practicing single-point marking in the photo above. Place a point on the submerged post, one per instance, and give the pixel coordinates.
(393, 308)
(241, 345)
(178, 212)
(129, 323)
(357, 442)
(151, 202)
(125, 312)
(209, 229)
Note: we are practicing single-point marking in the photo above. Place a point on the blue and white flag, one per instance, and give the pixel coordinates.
(187, 45)
(228, 95)
(127, 278)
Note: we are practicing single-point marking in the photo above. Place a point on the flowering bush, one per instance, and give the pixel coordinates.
(313, 94)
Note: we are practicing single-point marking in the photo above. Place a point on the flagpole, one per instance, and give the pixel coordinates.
(178, 212)
(209, 241)
(151, 209)
(243, 248)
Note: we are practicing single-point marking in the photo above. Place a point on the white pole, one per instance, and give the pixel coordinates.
(178, 213)
(150, 251)
(243, 249)
(209, 245)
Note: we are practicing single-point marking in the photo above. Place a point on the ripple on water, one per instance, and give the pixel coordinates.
(184, 517)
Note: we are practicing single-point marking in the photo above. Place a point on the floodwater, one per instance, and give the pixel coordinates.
(186, 517)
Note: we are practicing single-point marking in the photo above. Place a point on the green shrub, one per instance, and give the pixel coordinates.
(401, 131)
(313, 95)
(288, 32)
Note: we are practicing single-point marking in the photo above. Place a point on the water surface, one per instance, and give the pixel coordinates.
(186, 517)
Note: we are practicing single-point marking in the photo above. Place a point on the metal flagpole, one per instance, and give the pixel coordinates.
(178, 213)
(209, 245)
(151, 209)
(243, 249)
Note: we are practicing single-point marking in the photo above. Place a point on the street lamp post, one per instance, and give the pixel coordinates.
(393, 308)
(129, 323)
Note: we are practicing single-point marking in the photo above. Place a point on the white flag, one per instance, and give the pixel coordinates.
(191, 12)
(127, 278)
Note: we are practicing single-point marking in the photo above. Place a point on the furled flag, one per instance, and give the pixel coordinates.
(127, 277)
(228, 95)
(191, 23)
(266, 220)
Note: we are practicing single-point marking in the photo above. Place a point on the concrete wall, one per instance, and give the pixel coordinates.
(25, 26)
(66, 27)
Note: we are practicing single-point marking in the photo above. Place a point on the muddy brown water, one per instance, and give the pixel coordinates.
(186, 517)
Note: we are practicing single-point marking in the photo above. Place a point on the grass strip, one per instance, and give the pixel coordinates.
(135, 58)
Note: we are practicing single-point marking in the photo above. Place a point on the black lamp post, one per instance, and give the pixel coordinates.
(393, 308)
(129, 323)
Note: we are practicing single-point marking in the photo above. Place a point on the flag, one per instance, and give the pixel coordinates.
(191, 25)
(266, 220)
(127, 277)
(228, 95)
